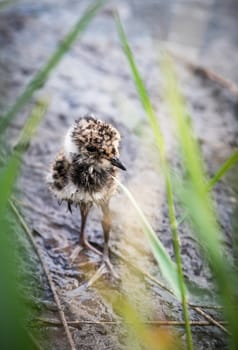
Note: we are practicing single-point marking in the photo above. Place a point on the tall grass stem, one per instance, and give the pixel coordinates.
(147, 105)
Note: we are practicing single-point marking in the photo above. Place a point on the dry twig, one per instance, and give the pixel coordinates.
(197, 308)
(55, 323)
(208, 73)
(210, 319)
(205, 306)
(47, 272)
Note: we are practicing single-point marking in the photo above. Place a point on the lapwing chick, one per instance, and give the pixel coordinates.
(83, 174)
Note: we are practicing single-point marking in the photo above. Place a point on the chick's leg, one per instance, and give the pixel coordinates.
(106, 225)
(83, 242)
(84, 210)
(106, 265)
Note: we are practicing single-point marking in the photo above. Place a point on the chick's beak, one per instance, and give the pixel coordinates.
(116, 162)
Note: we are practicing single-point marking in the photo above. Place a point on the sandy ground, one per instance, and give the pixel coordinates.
(94, 76)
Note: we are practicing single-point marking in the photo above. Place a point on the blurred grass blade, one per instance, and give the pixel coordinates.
(7, 3)
(225, 167)
(143, 94)
(40, 78)
(148, 337)
(167, 266)
(8, 177)
(10, 170)
(13, 313)
(146, 103)
(196, 198)
(31, 125)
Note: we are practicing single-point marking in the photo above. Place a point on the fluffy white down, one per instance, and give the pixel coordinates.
(70, 192)
(69, 145)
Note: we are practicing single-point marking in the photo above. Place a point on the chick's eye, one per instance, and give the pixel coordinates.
(91, 149)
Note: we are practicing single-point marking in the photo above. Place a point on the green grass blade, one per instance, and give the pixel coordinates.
(31, 125)
(8, 177)
(142, 92)
(225, 167)
(7, 3)
(40, 78)
(8, 173)
(146, 103)
(197, 199)
(13, 312)
(10, 170)
(167, 266)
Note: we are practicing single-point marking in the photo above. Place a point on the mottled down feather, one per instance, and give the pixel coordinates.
(82, 171)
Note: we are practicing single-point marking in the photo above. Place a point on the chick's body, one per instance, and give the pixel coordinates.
(84, 172)
(78, 183)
